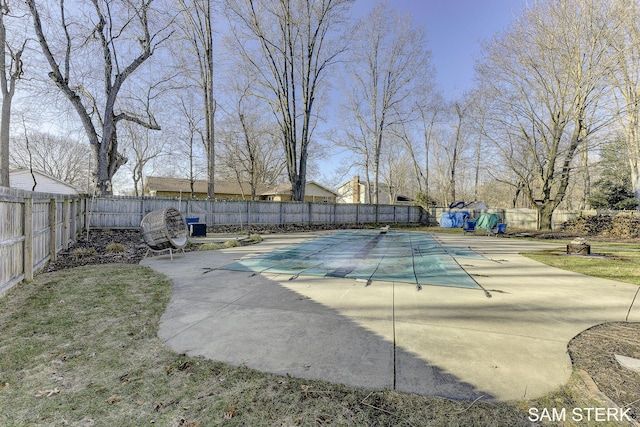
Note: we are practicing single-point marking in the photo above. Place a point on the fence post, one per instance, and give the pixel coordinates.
(87, 214)
(141, 209)
(210, 219)
(27, 229)
(310, 213)
(65, 223)
(73, 219)
(53, 253)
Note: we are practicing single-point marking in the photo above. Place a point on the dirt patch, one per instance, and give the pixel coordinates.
(594, 351)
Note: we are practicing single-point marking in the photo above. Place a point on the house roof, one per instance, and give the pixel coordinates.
(288, 189)
(21, 178)
(157, 183)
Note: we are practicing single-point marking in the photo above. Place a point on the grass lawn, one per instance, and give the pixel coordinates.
(615, 261)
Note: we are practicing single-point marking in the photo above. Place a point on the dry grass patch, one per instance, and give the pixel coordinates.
(609, 261)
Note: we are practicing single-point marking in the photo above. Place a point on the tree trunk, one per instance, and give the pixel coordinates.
(4, 140)
(586, 192)
(8, 86)
(210, 108)
(635, 179)
(545, 215)
(376, 163)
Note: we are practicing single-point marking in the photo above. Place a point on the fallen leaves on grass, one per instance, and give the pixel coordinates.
(47, 393)
(231, 411)
(114, 399)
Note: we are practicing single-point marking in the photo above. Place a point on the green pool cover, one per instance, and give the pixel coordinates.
(369, 255)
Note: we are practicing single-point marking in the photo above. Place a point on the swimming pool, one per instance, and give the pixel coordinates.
(369, 255)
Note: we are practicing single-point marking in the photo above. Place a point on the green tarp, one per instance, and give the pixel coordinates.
(488, 221)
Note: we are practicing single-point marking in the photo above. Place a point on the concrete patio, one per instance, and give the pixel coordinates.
(440, 341)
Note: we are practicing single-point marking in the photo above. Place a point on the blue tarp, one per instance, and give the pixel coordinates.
(453, 219)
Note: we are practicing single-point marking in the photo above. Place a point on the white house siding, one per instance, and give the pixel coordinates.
(23, 180)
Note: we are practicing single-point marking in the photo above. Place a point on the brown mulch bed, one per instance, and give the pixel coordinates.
(94, 248)
(592, 351)
(91, 248)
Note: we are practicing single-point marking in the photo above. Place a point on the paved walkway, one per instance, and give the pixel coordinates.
(439, 341)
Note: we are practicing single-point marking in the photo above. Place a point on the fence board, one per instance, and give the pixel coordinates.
(127, 212)
(26, 234)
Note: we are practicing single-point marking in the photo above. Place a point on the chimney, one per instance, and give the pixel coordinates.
(356, 189)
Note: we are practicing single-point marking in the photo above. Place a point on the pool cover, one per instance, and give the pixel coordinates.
(369, 255)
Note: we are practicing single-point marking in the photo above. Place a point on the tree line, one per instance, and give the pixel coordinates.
(261, 91)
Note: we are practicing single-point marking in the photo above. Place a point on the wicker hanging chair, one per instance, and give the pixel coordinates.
(164, 229)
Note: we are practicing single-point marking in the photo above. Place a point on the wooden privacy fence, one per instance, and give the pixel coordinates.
(34, 227)
(127, 212)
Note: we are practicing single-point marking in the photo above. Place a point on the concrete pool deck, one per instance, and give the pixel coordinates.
(440, 341)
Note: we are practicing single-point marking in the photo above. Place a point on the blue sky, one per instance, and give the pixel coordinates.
(454, 28)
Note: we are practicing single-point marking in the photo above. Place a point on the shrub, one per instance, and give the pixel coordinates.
(233, 243)
(209, 246)
(84, 253)
(255, 238)
(115, 248)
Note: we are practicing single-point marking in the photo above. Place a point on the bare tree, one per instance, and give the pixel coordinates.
(110, 36)
(290, 44)
(62, 157)
(625, 49)
(398, 168)
(250, 150)
(431, 111)
(457, 145)
(389, 60)
(478, 118)
(10, 72)
(194, 134)
(546, 75)
(199, 30)
(145, 148)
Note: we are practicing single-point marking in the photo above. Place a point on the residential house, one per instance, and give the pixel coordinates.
(313, 192)
(356, 191)
(176, 187)
(25, 179)
(156, 186)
